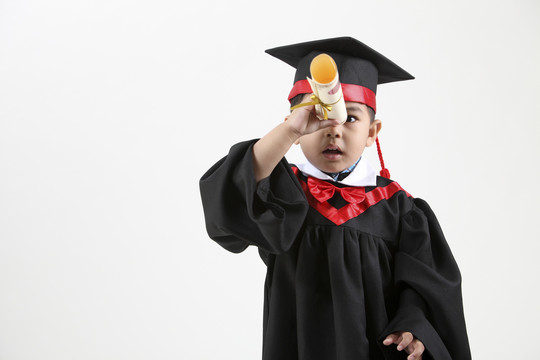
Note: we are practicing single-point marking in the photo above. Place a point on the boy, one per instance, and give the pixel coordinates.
(355, 264)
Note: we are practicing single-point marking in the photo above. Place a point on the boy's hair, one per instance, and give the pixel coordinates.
(298, 98)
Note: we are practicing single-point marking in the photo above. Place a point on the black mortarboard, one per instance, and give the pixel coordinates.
(360, 67)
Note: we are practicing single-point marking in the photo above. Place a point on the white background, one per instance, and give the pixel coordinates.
(111, 110)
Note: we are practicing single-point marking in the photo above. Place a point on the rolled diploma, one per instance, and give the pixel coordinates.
(332, 95)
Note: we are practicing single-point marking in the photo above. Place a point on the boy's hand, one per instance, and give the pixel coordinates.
(303, 120)
(406, 340)
(270, 149)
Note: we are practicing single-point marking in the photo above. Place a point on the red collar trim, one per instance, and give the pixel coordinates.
(349, 211)
(351, 92)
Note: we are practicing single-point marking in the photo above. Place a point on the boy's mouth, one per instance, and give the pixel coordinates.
(332, 151)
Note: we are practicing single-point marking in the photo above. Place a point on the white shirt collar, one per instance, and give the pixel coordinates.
(362, 175)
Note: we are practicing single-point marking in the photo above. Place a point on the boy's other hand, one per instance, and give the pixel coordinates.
(406, 340)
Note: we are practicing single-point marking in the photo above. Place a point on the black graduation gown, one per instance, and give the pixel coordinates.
(334, 292)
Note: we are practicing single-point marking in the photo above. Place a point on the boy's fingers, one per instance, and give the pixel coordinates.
(391, 339)
(327, 123)
(406, 339)
(418, 348)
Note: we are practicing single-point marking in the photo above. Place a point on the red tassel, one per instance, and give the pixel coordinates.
(384, 171)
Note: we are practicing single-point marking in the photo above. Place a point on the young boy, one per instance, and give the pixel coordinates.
(355, 264)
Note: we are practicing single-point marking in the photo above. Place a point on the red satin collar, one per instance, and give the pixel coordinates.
(318, 192)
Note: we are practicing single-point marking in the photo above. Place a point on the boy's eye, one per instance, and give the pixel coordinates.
(351, 118)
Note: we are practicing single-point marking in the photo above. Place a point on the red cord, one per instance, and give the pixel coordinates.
(384, 171)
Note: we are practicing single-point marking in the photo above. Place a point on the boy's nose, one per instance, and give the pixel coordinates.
(333, 131)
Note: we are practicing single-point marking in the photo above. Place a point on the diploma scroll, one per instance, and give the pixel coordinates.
(327, 88)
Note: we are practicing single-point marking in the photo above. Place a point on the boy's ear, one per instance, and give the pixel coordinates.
(374, 129)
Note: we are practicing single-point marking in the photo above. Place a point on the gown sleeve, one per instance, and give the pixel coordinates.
(430, 303)
(240, 212)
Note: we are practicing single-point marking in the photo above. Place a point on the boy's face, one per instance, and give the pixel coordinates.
(336, 148)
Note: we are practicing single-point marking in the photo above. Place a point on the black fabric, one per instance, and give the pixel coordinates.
(335, 292)
(352, 70)
(357, 63)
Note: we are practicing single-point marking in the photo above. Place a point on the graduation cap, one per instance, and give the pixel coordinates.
(360, 67)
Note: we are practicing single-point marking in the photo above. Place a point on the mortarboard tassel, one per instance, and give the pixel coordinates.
(384, 171)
